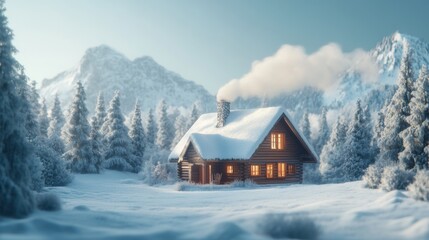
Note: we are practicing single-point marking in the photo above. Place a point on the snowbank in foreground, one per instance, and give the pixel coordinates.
(116, 205)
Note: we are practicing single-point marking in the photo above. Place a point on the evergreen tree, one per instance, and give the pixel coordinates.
(397, 110)
(76, 135)
(43, 119)
(416, 136)
(54, 169)
(16, 198)
(32, 131)
(100, 111)
(181, 128)
(96, 144)
(56, 118)
(35, 98)
(165, 133)
(377, 131)
(32, 109)
(56, 122)
(331, 157)
(323, 132)
(118, 155)
(138, 138)
(194, 116)
(150, 129)
(305, 126)
(357, 153)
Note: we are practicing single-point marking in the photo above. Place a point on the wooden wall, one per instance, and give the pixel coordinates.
(293, 153)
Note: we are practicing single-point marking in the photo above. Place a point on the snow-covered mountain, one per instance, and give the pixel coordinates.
(104, 69)
(388, 55)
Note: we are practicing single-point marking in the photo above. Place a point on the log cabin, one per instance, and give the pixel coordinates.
(258, 144)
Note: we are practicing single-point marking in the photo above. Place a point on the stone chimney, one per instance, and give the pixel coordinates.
(223, 108)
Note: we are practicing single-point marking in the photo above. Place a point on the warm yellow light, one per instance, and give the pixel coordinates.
(277, 141)
(270, 171)
(229, 169)
(281, 170)
(254, 170)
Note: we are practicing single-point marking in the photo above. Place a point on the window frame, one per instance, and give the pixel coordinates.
(271, 175)
(229, 169)
(278, 141)
(281, 171)
(255, 172)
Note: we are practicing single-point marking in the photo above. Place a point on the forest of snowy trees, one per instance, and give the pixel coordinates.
(41, 146)
(390, 151)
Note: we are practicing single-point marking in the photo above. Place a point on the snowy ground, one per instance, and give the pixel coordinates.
(116, 205)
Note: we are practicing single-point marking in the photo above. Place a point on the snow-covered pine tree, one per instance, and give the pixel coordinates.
(56, 122)
(138, 137)
(304, 126)
(16, 198)
(165, 133)
(416, 136)
(357, 152)
(376, 132)
(151, 129)
(324, 132)
(54, 169)
(118, 155)
(181, 128)
(331, 158)
(195, 114)
(395, 114)
(32, 132)
(35, 98)
(50, 151)
(56, 118)
(100, 111)
(76, 135)
(96, 144)
(43, 119)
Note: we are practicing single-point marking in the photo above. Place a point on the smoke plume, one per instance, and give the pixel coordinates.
(291, 68)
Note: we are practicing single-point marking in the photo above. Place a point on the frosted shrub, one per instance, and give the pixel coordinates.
(372, 176)
(420, 188)
(289, 226)
(48, 202)
(157, 169)
(395, 178)
(248, 183)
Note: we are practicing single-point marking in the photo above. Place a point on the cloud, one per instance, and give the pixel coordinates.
(291, 68)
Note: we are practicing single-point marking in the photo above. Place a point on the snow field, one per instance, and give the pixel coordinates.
(116, 205)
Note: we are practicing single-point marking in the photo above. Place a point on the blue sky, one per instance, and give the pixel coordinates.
(209, 42)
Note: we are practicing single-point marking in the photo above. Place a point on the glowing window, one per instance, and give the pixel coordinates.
(255, 170)
(270, 171)
(281, 170)
(291, 169)
(278, 141)
(229, 169)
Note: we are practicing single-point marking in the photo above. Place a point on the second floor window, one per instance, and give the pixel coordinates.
(278, 141)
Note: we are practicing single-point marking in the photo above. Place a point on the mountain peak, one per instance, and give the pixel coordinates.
(102, 51)
(400, 37)
(104, 69)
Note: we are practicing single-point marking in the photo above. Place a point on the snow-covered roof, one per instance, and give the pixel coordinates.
(243, 132)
